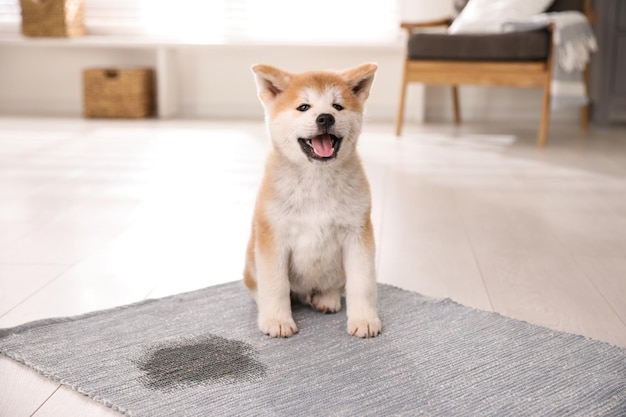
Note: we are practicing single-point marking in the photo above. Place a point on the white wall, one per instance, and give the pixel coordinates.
(216, 81)
(47, 80)
(491, 104)
(210, 81)
(424, 10)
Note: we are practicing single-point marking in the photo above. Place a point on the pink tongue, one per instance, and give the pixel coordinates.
(322, 145)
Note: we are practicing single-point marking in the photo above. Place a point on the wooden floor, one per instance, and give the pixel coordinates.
(95, 214)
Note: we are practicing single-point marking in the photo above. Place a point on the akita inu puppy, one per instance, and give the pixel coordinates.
(312, 236)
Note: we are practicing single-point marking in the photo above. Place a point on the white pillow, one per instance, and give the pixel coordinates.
(487, 16)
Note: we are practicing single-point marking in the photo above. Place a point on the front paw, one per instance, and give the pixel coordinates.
(278, 327)
(364, 327)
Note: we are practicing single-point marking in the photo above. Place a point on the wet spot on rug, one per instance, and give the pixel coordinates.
(200, 361)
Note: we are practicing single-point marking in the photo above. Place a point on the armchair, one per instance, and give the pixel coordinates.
(516, 59)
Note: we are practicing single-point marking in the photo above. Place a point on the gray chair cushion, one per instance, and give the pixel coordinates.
(556, 6)
(514, 46)
(563, 5)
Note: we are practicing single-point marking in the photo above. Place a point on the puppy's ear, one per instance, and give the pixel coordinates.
(360, 79)
(270, 82)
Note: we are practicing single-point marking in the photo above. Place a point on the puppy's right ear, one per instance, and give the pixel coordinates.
(270, 82)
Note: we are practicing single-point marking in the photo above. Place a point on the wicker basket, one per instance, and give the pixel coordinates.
(52, 18)
(118, 93)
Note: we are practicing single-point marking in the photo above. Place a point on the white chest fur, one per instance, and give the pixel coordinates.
(312, 212)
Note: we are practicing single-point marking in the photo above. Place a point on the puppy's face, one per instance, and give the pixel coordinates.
(314, 117)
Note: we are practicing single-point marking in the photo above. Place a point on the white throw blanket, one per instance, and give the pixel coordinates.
(573, 41)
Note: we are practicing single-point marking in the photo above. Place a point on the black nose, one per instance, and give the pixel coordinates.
(325, 120)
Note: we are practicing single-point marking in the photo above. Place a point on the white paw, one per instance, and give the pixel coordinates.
(327, 302)
(278, 327)
(364, 327)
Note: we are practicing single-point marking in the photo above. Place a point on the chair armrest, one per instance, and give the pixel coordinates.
(409, 26)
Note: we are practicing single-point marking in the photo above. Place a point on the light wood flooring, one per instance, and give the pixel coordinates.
(95, 214)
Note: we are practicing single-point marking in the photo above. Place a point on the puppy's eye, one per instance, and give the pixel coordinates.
(303, 107)
(338, 107)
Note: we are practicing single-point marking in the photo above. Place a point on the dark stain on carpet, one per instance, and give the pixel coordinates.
(200, 361)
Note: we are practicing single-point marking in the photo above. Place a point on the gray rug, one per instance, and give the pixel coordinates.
(200, 354)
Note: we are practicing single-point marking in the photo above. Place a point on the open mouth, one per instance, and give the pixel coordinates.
(322, 147)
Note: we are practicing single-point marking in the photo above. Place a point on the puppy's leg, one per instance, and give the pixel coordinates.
(272, 292)
(249, 271)
(361, 294)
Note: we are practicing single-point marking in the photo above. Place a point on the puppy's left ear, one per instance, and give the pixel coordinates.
(360, 79)
(270, 81)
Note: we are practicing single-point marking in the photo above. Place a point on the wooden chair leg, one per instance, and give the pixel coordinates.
(400, 111)
(584, 110)
(545, 116)
(455, 104)
(584, 117)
